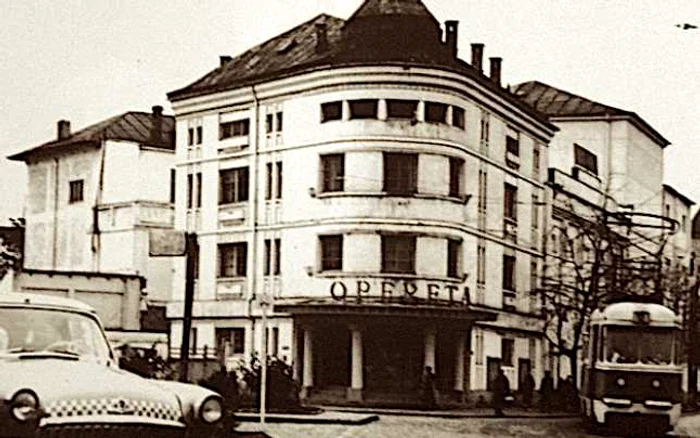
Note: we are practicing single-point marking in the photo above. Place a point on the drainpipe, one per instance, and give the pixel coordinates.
(254, 215)
(54, 249)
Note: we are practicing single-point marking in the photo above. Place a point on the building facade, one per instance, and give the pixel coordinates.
(93, 195)
(381, 198)
(607, 164)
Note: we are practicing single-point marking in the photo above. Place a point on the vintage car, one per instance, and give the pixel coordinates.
(59, 378)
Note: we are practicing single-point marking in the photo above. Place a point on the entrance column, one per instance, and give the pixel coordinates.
(354, 392)
(429, 350)
(459, 364)
(307, 380)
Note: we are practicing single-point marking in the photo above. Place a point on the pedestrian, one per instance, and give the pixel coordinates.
(546, 391)
(501, 390)
(427, 388)
(528, 389)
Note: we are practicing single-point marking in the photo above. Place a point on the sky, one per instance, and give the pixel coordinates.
(87, 60)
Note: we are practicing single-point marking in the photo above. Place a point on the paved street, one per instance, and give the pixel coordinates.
(393, 426)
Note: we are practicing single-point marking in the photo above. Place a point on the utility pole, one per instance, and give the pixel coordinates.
(191, 253)
(691, 338)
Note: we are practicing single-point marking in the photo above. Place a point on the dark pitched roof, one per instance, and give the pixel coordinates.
(686, 200)
(398, 32)
(557, 103)
(137, 127)
(291, 50)
(392, 7)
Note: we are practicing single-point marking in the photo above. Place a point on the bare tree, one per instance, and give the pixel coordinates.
(596, 257)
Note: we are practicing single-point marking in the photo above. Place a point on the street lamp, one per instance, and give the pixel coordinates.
(264, 302)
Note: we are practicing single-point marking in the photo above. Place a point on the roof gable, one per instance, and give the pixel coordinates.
(559, 104)
(137, 127)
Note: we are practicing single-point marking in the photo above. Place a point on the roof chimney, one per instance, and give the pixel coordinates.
(321, 37)
(451, 27)
(157, 124)
(478, 56)
(63, 129)
(496, 70)
(224, 59)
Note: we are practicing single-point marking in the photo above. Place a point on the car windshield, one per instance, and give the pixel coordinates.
(648, 345)
(29, 331)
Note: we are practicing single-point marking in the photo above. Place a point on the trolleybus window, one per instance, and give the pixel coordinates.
(649, 346)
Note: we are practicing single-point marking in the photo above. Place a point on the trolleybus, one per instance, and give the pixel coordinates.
(632, 371)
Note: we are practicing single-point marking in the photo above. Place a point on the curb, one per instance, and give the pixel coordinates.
(450, 414)
(308, 419)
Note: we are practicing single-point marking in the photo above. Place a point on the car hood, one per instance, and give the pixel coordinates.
(76, 388)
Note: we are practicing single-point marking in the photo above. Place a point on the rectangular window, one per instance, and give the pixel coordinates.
(274, 342)
(273, 122)
(400, 173)
(274, 180)
(198, 135)
(193, 340)
(481, 263)
(508, 273)
(172, 185)
(401, 109)
(510, 202)
(198, 190)
(190, 189)
(233, 337)
(536, 160)
(456, 165)
(586, 159)
(507, 347)
(453, 250)
(233, 185)
(331, 253)
(479, 350)
(481, 207)
(363, 108)
(331, 111)
(535, 211)
(435, 112)
(458, 117)
(238, 128)
(485, 128)
(190, 136)
(399, 254)
(272, 257)
(332, 173)
(233, 259)
(76, 191)
(513, 145)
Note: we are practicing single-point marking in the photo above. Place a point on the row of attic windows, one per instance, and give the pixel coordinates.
(396, 109)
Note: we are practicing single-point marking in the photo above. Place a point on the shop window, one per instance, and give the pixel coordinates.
(458, 117)
(400, 173)
(331, 111)
(233, 259)
(399, 254)
(331, 253)
(332, 173)
(233, 185)
(76, 191)
(237, 128)
(363, 108)
(585, 159)
(435, 112)
(401, 109)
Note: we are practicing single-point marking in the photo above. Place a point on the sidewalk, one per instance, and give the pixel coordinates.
(344, 415)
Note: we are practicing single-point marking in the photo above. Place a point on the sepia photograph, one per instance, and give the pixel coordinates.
(350, 218)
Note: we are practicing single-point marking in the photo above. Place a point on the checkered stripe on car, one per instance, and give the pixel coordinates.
(106, 406)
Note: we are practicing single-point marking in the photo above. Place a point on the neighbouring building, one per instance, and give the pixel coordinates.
(607, 160)
(383, 196)
(93, 195)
